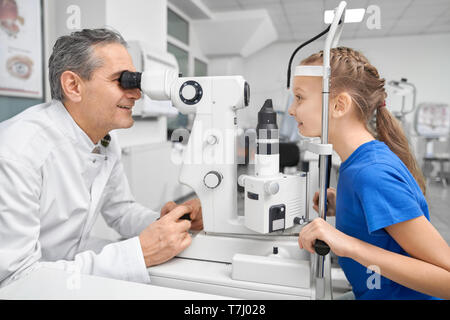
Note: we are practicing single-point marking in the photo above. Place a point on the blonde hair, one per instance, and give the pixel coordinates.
(352, 72)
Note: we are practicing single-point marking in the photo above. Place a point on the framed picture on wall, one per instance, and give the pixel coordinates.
(21, 48)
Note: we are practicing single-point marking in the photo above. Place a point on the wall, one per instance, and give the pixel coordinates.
(193, 48)
(226, 66)
(139, 20)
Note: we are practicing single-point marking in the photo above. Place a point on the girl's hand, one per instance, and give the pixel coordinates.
(331, 202)
(340, 243)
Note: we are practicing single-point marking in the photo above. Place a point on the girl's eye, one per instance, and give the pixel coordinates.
(298, 98)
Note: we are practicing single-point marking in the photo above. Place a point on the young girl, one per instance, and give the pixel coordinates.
(382, 218)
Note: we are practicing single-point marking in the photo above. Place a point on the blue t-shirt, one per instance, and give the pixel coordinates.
(375, 190)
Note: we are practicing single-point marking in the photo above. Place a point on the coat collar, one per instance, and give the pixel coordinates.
(69, 127)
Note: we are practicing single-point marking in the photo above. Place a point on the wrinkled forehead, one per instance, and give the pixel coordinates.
(114, 58)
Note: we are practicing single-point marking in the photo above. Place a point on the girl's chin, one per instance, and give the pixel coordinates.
(306, 134)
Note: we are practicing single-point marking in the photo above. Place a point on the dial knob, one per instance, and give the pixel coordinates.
(188, 92)
(271, 187)
(212, 139)
(191, 92)
(212, 179)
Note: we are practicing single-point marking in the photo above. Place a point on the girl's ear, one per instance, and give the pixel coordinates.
(341, 105)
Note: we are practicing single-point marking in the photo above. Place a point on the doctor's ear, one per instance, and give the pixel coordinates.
(341, 105)
(71, 85)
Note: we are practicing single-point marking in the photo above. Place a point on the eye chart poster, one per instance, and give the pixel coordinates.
(21, 48)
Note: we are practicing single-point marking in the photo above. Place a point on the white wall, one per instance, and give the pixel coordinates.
(139, 20)
(226, 66)
(194, 46)
(424, 60)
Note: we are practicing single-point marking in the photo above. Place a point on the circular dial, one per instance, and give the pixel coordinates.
(212, 179)
(272, 187)
(191, 92)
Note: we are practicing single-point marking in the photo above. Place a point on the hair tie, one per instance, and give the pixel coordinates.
(382, 105)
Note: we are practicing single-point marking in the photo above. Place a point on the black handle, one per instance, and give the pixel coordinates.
(321, 248)
(186, 216)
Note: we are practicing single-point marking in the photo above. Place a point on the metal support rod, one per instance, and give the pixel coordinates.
(331, 41)
(323, 161)
(307, 197)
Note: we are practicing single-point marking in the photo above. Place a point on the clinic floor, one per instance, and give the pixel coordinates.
(438, 197)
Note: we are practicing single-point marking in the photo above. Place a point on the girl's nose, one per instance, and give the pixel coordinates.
(291, 110)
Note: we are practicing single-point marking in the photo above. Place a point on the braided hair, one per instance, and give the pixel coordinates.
(352, 72)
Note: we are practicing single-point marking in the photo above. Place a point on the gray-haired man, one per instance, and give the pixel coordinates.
(57, 175)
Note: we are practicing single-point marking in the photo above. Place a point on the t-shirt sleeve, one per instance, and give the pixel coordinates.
(386, 197)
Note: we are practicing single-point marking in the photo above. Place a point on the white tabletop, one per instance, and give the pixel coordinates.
(48, 284)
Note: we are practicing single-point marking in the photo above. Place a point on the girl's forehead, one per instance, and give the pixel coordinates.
(305, 83)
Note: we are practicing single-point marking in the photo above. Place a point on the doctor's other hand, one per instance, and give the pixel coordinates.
(331, 202)
(195, 215)
(340, 243)
(165, 238)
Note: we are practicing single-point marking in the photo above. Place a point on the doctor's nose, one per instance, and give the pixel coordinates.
(134, 94)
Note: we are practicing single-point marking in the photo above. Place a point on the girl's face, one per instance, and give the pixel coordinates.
(307, 105)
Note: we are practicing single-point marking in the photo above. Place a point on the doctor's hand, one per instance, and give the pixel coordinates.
(340, 243)
(195, 215)
(166, 237)
(331, 202)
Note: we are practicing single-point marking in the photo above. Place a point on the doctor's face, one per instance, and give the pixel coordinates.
(108, 104)
(307, 105)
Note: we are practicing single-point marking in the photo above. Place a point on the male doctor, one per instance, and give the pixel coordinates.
(59, 171)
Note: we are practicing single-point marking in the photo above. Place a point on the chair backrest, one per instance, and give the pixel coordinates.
(432, 120)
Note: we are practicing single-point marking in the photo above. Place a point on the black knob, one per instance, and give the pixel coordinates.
(186, 216)
(304, 166)
(246, 94)
(321, 248)
(299, 220)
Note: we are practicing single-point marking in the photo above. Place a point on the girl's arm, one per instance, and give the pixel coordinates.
(426, 271)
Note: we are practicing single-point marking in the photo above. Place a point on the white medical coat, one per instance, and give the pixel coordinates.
(53, 188)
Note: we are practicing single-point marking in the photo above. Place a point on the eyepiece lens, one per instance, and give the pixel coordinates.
(130, 80)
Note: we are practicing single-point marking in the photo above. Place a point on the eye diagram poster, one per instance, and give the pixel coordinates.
(21, 48)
